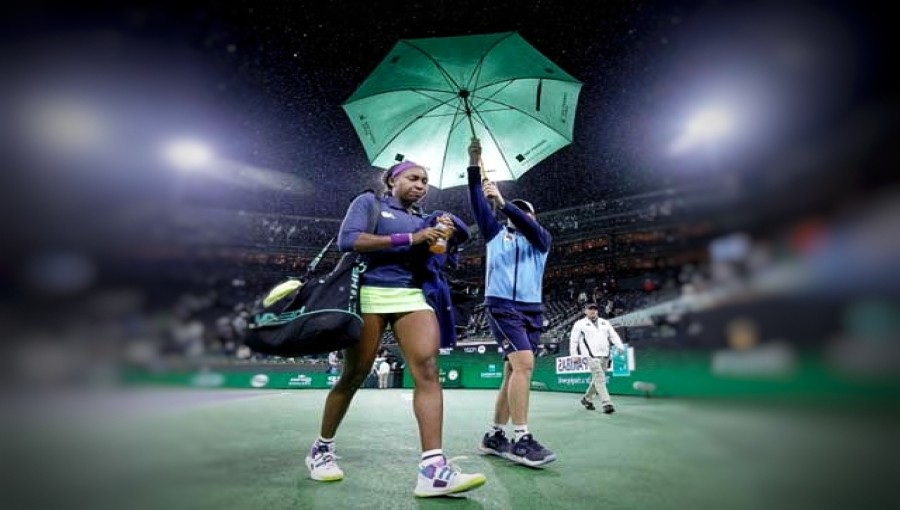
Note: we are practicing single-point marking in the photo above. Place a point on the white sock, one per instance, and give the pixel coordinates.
(497, 427)
(327, 443)
(431, 456)
(519, 431)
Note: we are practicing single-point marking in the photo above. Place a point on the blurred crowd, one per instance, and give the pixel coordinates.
(189, 307)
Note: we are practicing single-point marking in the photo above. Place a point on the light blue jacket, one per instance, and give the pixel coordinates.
(516, 257)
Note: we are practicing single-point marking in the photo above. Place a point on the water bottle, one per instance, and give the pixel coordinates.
(440, 246)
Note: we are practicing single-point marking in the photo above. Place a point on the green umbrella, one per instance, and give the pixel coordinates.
(428, 97)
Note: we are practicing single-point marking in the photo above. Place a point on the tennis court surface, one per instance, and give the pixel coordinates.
(222, 449)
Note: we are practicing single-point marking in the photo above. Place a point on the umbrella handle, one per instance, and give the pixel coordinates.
(465, 98)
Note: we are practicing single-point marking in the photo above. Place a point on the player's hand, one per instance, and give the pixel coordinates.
(427, 235)
(447, 222)
(492, 193)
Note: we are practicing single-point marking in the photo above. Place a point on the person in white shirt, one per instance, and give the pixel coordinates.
(590, 338)
(333, 361)
(384, 372)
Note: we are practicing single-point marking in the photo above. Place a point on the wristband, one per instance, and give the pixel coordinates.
(401, 239)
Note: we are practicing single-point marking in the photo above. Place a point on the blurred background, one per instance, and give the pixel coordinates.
(166, 162)
(727, 200)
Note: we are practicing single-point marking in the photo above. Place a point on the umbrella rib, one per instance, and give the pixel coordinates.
(491, 134)
(458, 110)
(402, 129)
(480, 65)
(499, 90)
(511, 107)
(524, 78)
(410, 89)
(447, 143)
(440, 68)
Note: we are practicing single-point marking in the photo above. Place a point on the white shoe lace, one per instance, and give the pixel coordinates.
(451, 463)
(328, 458)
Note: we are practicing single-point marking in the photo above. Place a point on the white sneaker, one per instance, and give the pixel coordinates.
(322, 465)
(442, 477)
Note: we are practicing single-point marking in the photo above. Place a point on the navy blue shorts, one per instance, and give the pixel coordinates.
(515, 330)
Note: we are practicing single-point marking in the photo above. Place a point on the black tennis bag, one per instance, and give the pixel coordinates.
(313, 314)
(320, 315)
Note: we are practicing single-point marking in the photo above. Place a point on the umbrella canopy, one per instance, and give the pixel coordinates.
(428, 97)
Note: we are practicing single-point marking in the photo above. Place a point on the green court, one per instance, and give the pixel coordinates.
(224, 449)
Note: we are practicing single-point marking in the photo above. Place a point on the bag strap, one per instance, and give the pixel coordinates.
(318, 258)
(373, 221)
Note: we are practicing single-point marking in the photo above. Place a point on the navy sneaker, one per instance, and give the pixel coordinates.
(587, 404)
(608, 408)
(494, 444)
(529, 452)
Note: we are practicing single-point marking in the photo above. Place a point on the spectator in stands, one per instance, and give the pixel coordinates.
(393, 292)
(590, 338)
(515, 261)
(333, 362)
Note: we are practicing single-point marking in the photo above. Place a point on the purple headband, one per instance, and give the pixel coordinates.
(402, 167)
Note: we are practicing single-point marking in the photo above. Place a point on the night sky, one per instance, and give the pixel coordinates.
(262, 84)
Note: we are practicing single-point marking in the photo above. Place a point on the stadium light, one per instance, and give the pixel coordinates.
(704, 128)
(187, 154)
(709, 125)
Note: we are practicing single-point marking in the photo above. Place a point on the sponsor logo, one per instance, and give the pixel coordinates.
(773, 360)
(492, 373)
(272, 319)
(481, 349)
(564, 109)
(354, 287)
(333, 379)
(573, 380)
(366, 128)
(259, 380)
(208, 380)
(453, 375)
(388, 214)
(300, 380)
(572, 365)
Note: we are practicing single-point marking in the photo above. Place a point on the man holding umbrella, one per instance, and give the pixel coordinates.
(516, 256)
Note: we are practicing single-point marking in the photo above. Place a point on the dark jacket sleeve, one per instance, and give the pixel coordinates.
(484, 215)
(356, 220)
(532, 230)
(435, 285)
(460, 236)
(437, 293)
